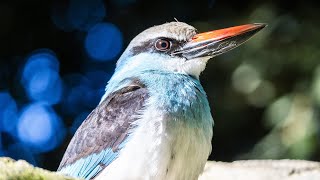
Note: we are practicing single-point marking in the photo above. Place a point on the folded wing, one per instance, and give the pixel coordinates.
(105, 131)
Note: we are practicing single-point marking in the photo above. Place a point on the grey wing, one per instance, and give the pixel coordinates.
(96, 143)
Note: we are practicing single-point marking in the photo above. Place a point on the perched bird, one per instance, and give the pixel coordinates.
(154, 121)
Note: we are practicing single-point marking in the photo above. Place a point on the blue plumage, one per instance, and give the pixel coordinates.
(88, 167)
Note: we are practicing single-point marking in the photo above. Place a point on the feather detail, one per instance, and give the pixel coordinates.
(104, 132)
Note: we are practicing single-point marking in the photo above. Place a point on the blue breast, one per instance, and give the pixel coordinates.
(179, 95)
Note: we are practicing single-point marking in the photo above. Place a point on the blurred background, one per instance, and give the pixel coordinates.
(57, 56)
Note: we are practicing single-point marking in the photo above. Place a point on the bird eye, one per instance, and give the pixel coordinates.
(163, 45)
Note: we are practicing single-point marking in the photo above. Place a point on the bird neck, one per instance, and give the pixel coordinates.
(180, 96)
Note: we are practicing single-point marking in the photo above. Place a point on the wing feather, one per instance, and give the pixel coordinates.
(104, 132)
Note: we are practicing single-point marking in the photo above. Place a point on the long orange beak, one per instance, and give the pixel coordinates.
(217, 42)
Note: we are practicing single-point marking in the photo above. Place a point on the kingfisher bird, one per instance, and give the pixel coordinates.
(154, 120)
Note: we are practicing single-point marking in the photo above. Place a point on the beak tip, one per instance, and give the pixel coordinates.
(260, 25)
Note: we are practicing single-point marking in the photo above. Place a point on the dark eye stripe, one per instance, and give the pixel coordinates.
(149, 46)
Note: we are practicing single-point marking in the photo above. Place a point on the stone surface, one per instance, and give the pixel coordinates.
(262, 170)
(238, 170)
(21, 170)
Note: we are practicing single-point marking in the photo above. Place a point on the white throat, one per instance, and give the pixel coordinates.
(192, 67)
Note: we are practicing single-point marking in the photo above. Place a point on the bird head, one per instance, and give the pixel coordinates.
(177, 47)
